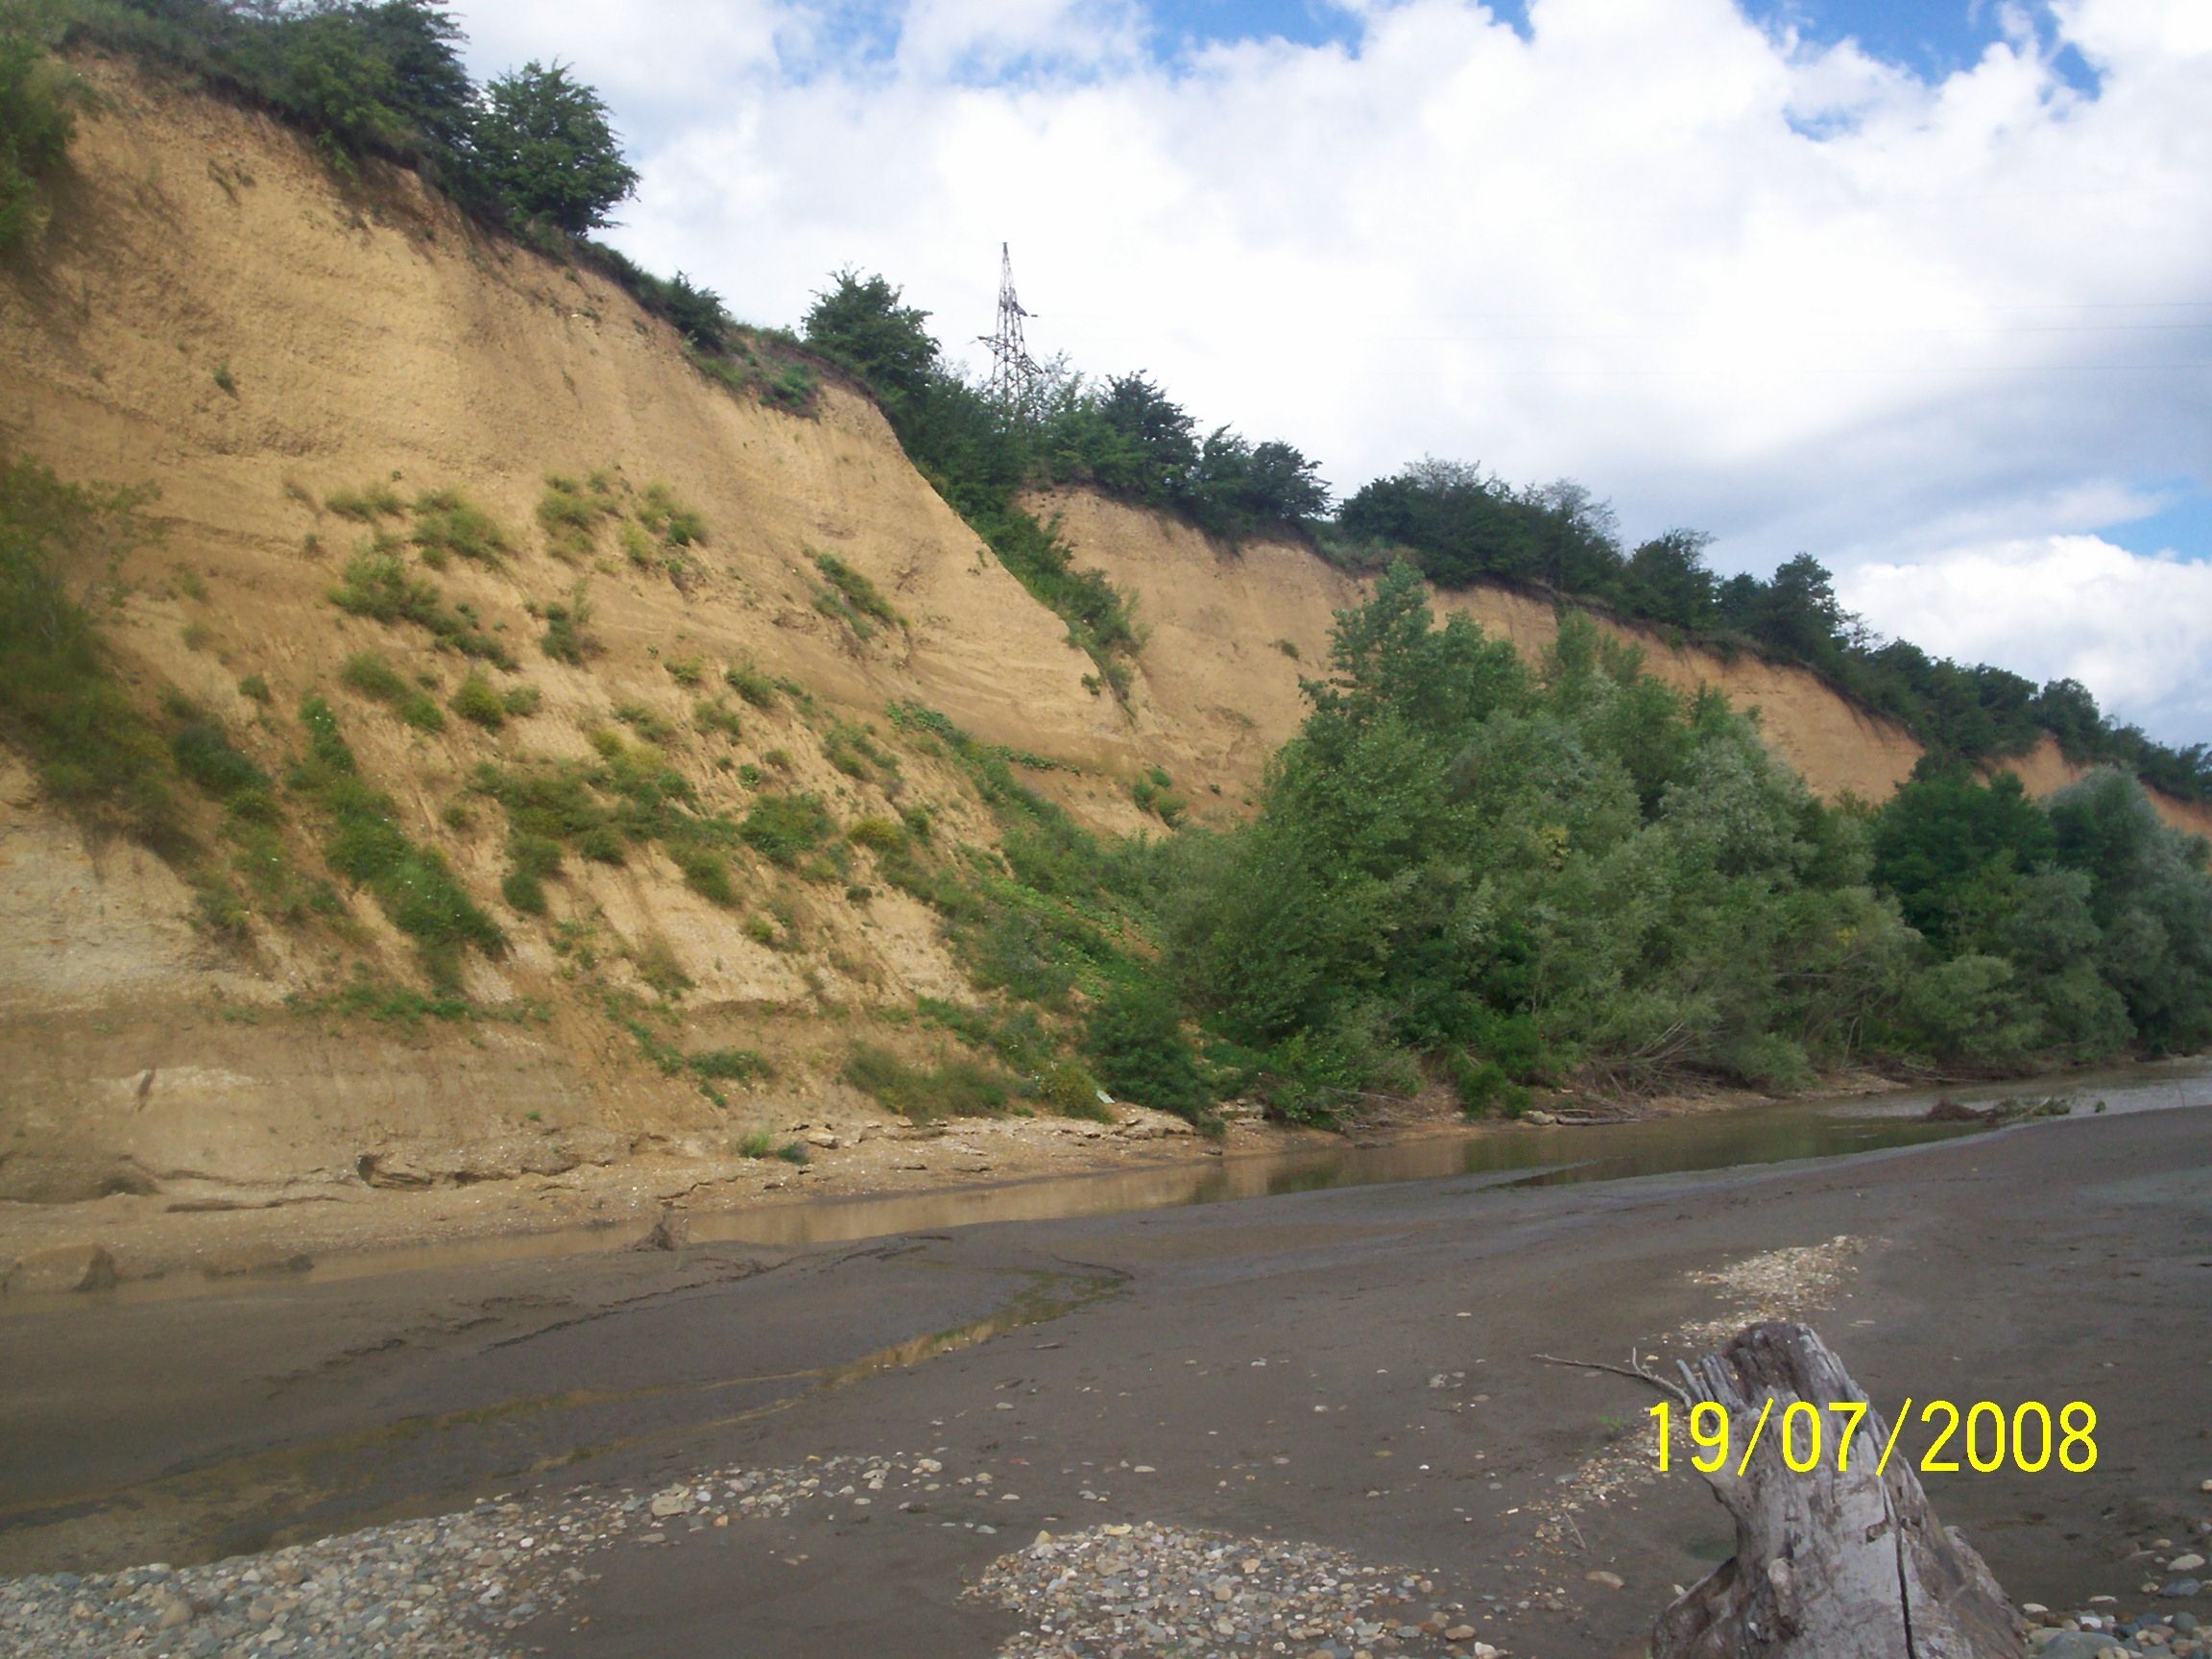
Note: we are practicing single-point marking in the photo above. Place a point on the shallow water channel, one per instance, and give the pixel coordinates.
(1814, 1127)
(278, 1410)
(1822, 1127)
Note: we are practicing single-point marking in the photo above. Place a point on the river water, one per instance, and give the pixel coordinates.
(1817, 1127)
(139, 1435)
(1812, 1127)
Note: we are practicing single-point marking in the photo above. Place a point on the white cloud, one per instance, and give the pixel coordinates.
(2137, 631)
(980, 37)
(1803, 298)
(661, 64)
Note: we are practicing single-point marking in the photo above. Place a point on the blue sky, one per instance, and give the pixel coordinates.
(1922, 290)
(1929, 38)
(1932, 41)
(2184, 528)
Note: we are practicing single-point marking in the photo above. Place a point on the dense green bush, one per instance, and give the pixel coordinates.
(2068, 930)
(1541, 872)
(1135, 1041)
(477, 700)
(542, 142)
(1573, 873)
(1071, 1091)
(38, 100)
(749, 683)
(1954, 849)
(864, 324)
(2150, 900)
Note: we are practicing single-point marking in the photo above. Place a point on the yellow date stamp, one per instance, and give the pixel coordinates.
(2028, 1438)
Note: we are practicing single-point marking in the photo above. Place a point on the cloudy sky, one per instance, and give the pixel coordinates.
(1922, 287)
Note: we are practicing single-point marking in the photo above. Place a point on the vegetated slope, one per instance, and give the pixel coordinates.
(1216, 667)
(213, 315)
(1218, 688)
(605, 764)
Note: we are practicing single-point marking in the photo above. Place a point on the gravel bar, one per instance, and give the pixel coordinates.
(460, 1586)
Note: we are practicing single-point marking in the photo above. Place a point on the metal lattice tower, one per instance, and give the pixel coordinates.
(1010, 369)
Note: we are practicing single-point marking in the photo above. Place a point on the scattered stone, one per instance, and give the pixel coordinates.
(1161, 1589)
(462, 1586)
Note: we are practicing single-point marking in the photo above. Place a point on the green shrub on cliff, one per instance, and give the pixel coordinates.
(955, 1088)
(96, 752)
(1537, 870)
(38, 101)
(1135, 1040)
(364, 842)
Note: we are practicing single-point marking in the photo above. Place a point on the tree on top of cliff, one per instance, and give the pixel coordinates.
(542, 141)
(860, 323)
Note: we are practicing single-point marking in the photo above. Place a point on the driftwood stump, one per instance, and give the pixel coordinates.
(1827, 1565)
(672, 1232)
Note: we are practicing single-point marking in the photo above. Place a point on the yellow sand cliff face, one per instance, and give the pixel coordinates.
(1231, 633)
(213, 315)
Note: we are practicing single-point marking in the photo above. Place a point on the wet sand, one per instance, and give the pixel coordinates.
(2059, 1261)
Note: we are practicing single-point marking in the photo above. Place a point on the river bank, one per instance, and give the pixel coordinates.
(1332, 1386)
(858, 1177)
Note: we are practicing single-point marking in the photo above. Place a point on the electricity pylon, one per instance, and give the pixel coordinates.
(1012, 373)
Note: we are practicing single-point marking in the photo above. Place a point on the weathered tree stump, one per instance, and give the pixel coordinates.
(672, 1232)
(1828, 1565)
